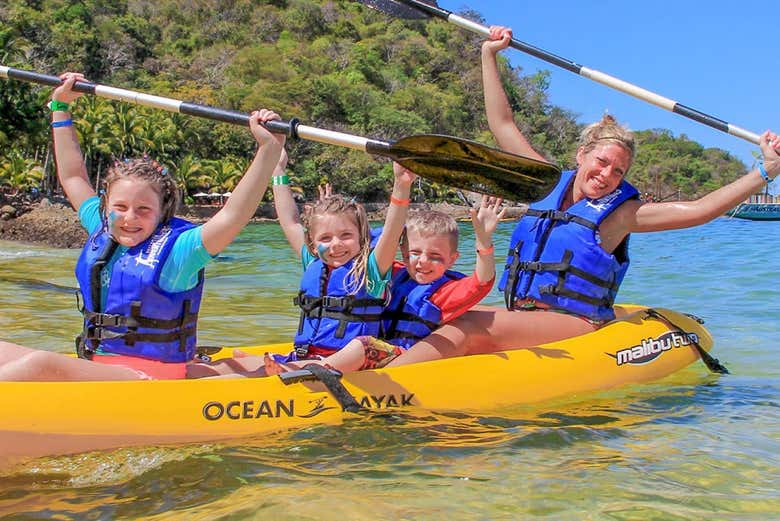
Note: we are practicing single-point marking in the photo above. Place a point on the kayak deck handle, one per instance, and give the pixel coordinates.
(331, 378)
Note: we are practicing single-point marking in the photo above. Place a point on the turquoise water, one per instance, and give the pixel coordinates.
(692, 446)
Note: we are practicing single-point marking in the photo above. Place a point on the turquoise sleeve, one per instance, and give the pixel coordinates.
(306, 257)
(376, 283)
(187, 258)
(89, 214)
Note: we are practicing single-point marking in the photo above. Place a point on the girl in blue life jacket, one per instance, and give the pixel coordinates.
(141, 270)
(569, 253)
(342, 291)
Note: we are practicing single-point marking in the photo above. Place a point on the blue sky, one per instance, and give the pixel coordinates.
(717, 57)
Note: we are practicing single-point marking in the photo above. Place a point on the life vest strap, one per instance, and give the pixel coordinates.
(308, 303)
(560, 216)
(398, 316)
(112, 320)
(130, 337)
(510, 289)
(551, 289)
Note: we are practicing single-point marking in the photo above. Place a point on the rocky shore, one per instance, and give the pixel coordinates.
(54, 223)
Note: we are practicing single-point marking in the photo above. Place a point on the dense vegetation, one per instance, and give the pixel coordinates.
(331, 63)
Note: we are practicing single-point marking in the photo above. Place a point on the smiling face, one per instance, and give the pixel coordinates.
(134, 210)
(429, 256)
(336, 238)
(600, 170)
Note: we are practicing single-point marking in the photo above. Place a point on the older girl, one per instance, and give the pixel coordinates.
(141, 270)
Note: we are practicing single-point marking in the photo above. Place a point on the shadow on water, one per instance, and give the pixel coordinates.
(37, 285)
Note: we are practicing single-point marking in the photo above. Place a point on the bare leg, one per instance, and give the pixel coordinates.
(349, 358)
(22, 364)
(488, 330)
(242, 365)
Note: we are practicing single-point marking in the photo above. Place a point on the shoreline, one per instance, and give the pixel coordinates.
(54, 223)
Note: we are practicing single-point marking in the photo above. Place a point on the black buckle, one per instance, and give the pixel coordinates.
(333, 302)
(301, 351)
(101, 319)
(531, 265)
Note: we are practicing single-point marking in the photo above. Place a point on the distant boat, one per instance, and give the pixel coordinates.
(760, 207)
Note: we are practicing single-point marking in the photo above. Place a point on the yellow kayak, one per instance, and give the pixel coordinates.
(65, 417)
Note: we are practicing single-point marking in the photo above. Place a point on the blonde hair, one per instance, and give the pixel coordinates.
(609, 130)
(432, 223)
(338, 205)
(150, 171)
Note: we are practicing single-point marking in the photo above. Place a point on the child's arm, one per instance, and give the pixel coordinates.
(226, 224)
(287, 210)
(485, 219)
(395, 218)
(71, 170)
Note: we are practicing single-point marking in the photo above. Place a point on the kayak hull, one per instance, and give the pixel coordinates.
(61, 417)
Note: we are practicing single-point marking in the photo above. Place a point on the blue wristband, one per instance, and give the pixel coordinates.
(64, 123)
(763, 172)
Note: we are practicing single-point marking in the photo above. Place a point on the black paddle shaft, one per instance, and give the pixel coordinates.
(449, 160)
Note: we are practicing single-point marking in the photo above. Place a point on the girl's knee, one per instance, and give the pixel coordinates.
(31, 366)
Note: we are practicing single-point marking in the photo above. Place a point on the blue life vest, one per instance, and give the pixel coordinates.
(330, 315)
(555, 257)
(139, 318)
(411, 316)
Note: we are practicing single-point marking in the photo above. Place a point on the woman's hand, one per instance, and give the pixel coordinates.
(770, 148)
(499, 39)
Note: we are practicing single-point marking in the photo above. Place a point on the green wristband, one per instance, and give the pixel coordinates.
(61, 106)
(280, 180)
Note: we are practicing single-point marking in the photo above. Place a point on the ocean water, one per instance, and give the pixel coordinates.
(691, 446)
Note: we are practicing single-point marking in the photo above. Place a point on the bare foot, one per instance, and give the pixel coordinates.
(272, 367)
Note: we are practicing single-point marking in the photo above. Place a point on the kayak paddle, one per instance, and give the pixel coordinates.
(452, 161)
(416, 9)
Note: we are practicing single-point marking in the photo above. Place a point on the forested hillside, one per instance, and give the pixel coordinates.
(332, 64)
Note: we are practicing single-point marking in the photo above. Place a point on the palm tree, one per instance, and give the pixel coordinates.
(189, 173)
(19, 171)
(225, 173)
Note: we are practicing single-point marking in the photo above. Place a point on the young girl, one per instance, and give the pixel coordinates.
(342, 291)
(141, 270)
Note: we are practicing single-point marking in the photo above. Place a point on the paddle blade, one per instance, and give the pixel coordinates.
(472, 166)
(398, 9)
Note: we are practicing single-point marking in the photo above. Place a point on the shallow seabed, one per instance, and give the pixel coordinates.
(692, 446)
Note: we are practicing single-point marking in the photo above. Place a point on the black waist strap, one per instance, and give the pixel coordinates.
(111, 320)
(398, 316)
(131, 337)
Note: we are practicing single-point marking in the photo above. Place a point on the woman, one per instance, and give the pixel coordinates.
(569, 254)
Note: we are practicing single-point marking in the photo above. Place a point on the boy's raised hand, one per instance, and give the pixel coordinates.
(485, 218)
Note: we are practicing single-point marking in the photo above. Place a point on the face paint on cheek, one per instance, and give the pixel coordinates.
(413, 257)
(322, 250)
(112, 217)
